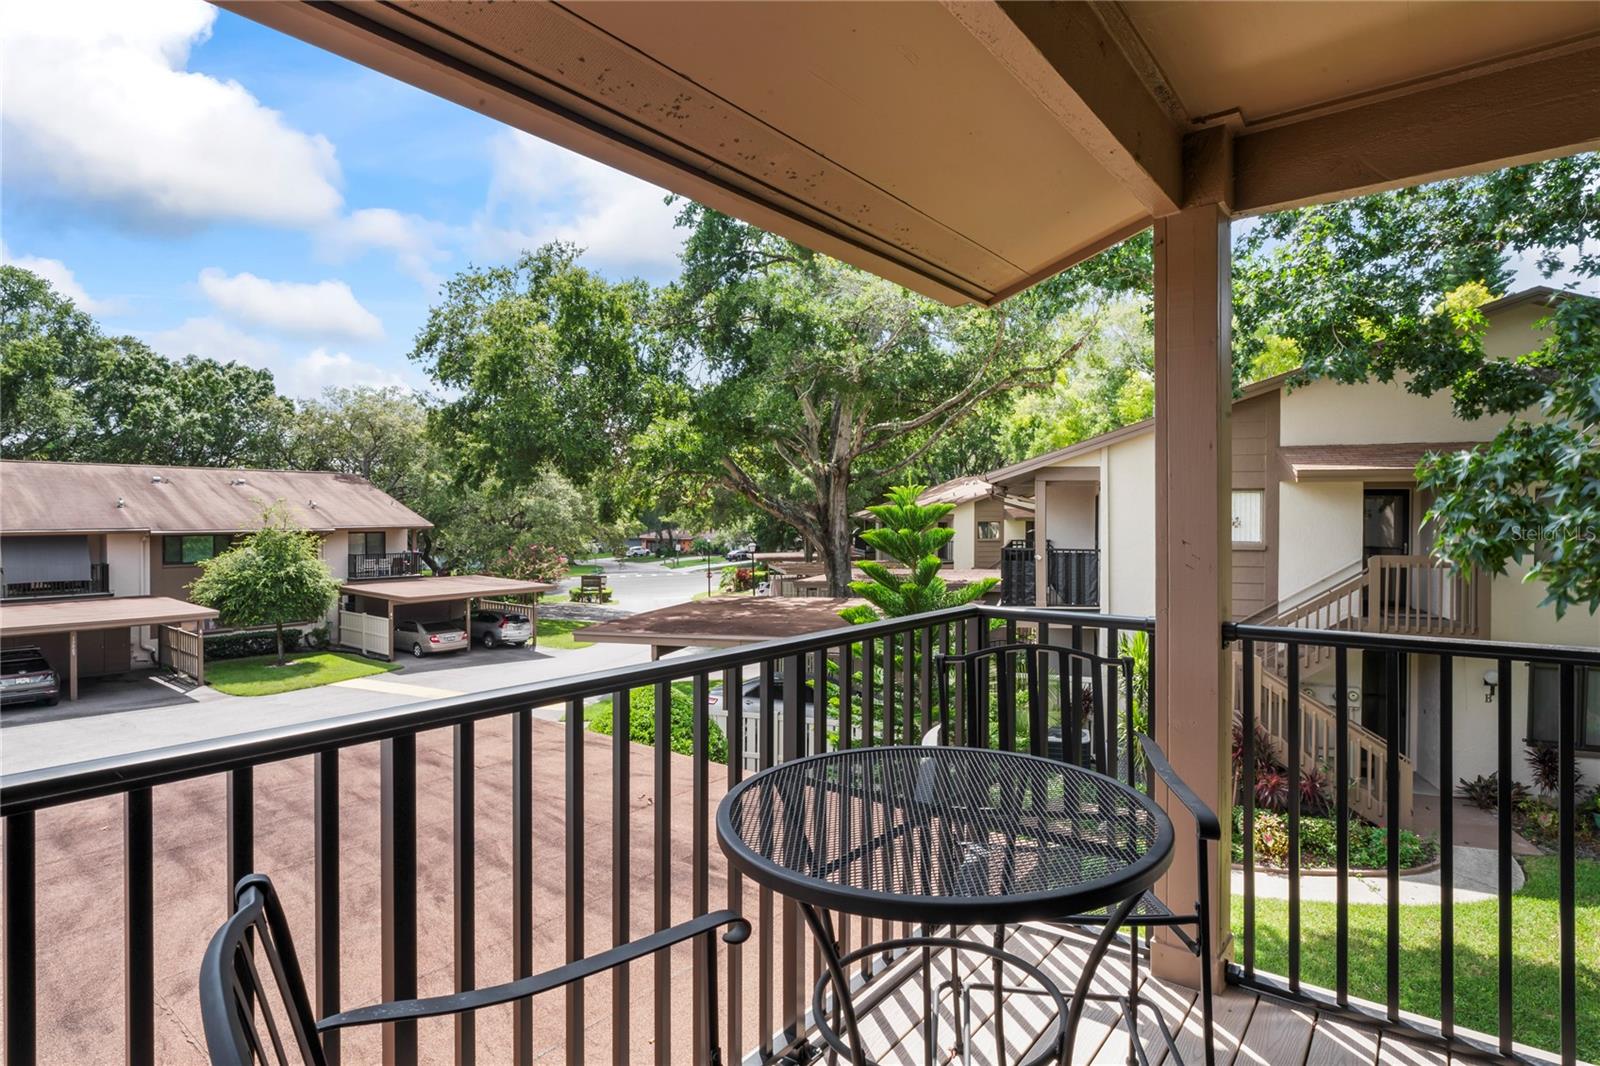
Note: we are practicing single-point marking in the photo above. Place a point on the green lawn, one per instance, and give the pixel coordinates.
(1536, 969)
(585, 568)
(557, 633)
(261, 676)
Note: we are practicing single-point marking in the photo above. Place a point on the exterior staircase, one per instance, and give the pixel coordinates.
(1389, 594)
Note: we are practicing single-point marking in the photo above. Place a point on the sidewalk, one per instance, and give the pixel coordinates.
(1477, 877)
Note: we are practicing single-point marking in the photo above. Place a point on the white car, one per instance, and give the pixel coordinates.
(428, 638)
(638, 551)
(493, 628)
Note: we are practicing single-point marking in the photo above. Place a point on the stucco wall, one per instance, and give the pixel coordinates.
(1327, 412)
(963, 520)
(1128, 506)
(1515, 615)
(1319, 531)
(1070, 509)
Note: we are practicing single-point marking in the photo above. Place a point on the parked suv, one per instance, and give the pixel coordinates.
(25, 676)
(493, 628)
(429, 638)
(638, 551)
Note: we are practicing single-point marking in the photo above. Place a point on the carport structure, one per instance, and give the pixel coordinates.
(411, 597)
(180, 623)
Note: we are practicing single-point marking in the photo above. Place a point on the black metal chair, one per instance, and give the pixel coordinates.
(1089, 734)
(233, 994)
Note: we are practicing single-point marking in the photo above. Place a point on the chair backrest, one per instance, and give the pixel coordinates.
(237, 993)
(1090, 722)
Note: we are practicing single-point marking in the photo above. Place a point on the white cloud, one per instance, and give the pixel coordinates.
(212, 338)
(98, 104)
(61, 278)
(540, 192)
(307, 376)
(313, 309)
(413, 240)
(300, 376)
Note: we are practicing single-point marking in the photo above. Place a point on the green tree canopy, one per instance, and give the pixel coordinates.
(547, 364)
(69, 392)
(271, 577)
(378, 434)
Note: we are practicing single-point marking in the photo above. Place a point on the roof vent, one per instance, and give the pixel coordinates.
(311, 504)
(156, 479)
(120, 503)
(238, 481)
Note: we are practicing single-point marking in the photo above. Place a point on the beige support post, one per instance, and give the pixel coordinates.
(199, 653)
(1041, 561)
(72, 665)
(391, 629)
(1193, 700)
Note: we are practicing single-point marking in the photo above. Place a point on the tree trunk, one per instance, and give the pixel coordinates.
(836, 540)
(279, 628)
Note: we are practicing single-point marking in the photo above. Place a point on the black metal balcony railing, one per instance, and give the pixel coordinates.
(387, 564)
(881, 673)
(1312, 748)
(1072, 574)
(96, 583)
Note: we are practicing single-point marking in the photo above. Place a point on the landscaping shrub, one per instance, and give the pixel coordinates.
(1369, 844)
(1484, 792)
(642, 723)
(738, 579)
(1545, 762)
(246, 643)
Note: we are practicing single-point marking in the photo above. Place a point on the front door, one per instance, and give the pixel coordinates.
(1386, 523)
(1386, 530)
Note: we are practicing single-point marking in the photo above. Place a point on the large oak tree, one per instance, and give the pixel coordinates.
(806, 386)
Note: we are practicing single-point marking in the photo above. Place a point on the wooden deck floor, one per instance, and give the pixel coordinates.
(1250, 1030)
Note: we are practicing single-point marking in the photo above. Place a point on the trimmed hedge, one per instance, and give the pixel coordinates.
(642, 724)
(250, 642)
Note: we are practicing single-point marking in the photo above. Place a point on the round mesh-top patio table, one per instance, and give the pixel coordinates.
(944, 836)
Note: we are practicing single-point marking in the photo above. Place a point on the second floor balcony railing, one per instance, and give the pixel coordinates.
(387, 564)
(96, 581)
(1072, 576)
(460, 841)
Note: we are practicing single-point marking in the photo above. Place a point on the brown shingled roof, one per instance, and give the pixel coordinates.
(41, 497)
(1312, 461)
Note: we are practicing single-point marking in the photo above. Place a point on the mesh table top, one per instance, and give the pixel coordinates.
(939, 834)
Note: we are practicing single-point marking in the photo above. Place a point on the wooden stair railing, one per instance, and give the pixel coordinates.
(1415, 594)
(1368, 753)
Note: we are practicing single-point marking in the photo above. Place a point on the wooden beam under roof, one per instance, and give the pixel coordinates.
(1541, 109)
(1062, 53)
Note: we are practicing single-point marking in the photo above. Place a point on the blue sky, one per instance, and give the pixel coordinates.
(215, 187)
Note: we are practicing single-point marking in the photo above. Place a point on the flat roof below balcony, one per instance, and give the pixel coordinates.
(453, 587)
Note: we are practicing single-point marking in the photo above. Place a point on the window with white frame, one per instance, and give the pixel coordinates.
(988, 530)
(1248, 505)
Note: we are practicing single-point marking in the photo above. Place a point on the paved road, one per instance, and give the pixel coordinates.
(140, 714)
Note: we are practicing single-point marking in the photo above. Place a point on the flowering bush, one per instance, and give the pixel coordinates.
(742, 579)
(531, 562)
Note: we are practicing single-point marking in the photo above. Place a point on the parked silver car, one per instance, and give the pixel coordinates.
(25, 676)
(429, 638)
(493, 628)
